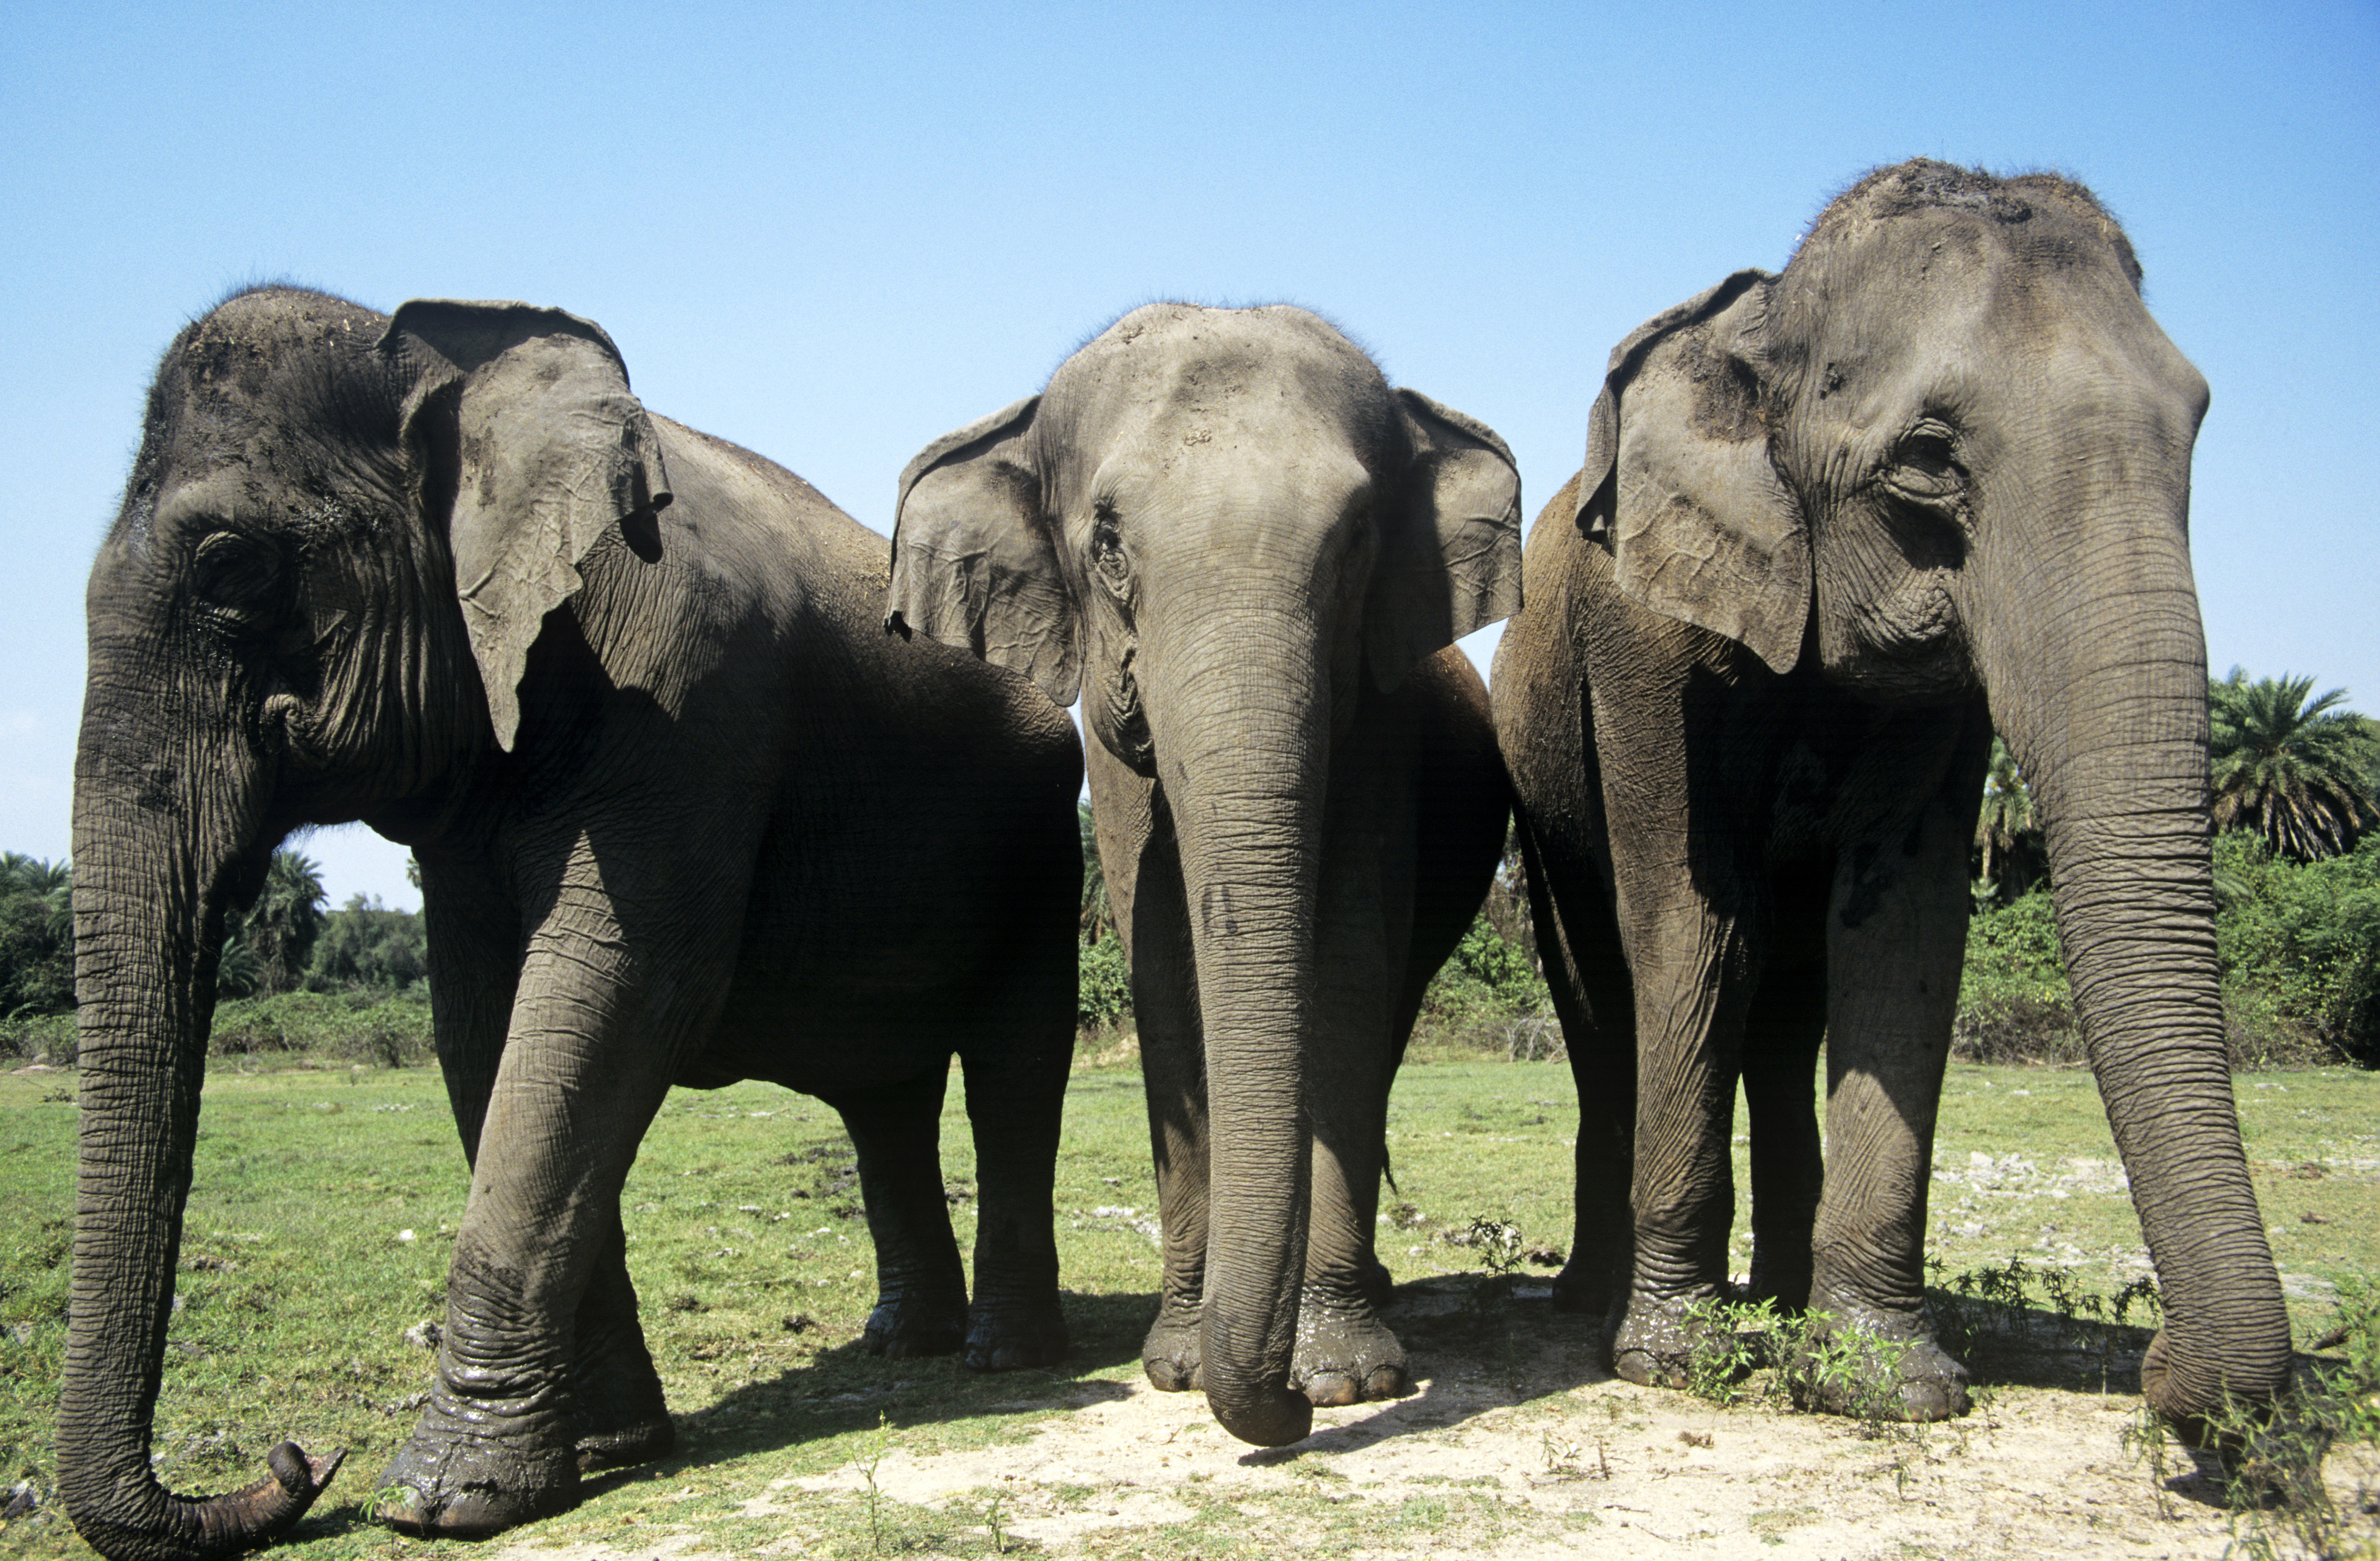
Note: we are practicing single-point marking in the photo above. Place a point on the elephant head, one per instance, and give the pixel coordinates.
(1946, 450)
(1215, 524)
(341, 534)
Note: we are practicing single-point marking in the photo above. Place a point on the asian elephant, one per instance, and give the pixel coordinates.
(1834, 525)
(1251, 558)
(685, 814)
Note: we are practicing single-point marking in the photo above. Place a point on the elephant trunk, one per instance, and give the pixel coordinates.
(1241, 727)
(148, 920)
(2110, 729)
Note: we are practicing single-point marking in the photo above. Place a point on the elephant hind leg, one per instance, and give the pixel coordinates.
(1015, 1067)
(921, 1288)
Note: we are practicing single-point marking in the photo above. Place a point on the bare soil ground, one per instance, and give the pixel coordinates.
(1526, 1452)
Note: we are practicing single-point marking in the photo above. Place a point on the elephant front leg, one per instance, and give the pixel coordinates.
(1173, 1353)
(1173, 1071)
(921, 1288)
(1693, 988)
(593, 1043)
(500, 1440)
(1344, 1353)
(1897, 934)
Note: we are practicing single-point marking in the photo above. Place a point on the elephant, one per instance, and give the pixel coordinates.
(1251, 558)
(1834, 527)
(625, 689)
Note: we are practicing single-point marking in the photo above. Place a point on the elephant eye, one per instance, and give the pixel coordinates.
(1925, 465)
(1107, 556)
(237, 575)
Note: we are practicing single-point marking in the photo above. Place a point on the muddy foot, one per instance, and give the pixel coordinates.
(1344, 1353)
(1876, 1367)
(1664, 1341)
(447, 1486)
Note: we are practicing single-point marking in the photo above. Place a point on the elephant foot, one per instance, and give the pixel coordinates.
(1584, 1288)
(1172, 1353)
(1012, 1334)
(1670, 1341)
(904, 1327)
(1345, 1354)
(452, 1481)
(1876, 1366)
(617, 1406)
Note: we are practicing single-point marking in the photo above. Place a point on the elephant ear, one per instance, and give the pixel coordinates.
(549, 447)
(1679, 482)
(1450, 560)
(974, 562)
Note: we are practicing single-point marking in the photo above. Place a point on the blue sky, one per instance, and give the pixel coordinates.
(833, 232)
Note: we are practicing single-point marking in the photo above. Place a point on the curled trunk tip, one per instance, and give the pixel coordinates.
(202, 1528)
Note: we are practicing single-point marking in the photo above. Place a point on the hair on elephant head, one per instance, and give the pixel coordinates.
(1249, 554)
(1931, 478)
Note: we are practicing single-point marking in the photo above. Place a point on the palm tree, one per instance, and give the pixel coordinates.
(2294, 770)
(2010, 849)
(287, 919)
(1097, 917)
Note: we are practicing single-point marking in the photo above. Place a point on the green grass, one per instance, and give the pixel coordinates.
(298, 1287)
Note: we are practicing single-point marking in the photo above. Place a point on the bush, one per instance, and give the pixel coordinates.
(2299, 947)
(366, 944)
(1103, 985)
(2014, 1005)
(1490, 997)
(384, 1031)
(46, 1035)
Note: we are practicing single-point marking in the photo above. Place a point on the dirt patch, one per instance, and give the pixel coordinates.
(1527, 1453)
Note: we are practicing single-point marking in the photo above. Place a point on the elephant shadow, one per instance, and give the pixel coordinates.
(1478, 1343)
(843, 1387)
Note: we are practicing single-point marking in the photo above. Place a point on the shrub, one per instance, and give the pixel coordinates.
(2014, 1005)
(1490, 997)
(45, 1035)
(1103, 985)
(2299, 946)
(384, 1031)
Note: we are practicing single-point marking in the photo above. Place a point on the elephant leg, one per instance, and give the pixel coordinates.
(474, 936)
(1173, 1065)
(1896, 934)
(1344, 1353)
(1015, 1093)
(498, 1442)
(921, 1288)
(616, 1393)
(594, 1041)
(1781, 1037)
(1579, 945)
(1695, 972)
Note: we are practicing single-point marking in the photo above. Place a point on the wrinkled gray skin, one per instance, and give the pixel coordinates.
(1834, 525)
(624, 690)
(1252, 558)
